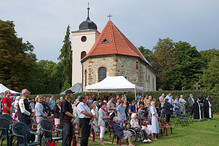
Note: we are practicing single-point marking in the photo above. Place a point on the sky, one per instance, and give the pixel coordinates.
(44, 22)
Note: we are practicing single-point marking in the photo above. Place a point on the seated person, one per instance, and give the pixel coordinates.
(134, 124)
(121, 132)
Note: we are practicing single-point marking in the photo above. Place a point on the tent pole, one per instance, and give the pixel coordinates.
(98, 94)
(135, 93)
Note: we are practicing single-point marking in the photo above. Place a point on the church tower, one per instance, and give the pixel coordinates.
(83, 40)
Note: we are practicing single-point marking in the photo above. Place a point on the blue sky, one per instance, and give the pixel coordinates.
(43, 22)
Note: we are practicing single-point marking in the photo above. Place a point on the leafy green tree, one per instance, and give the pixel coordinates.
(187, 68)
(210, 78)
(16, 58)
(163, 59)
(146, 53)
(66, 58)
(207, 55)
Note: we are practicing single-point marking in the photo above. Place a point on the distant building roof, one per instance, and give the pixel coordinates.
(113, 41)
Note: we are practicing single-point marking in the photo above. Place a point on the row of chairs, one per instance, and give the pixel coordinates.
(11, 128)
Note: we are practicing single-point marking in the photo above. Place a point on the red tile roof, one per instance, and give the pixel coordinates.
(118, 44)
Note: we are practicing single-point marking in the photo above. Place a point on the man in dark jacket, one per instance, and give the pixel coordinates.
(121, 132)
(168, 108)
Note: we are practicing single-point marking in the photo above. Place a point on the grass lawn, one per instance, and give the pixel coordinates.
(195, 134)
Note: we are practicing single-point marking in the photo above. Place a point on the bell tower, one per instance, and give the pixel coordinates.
(83, 40)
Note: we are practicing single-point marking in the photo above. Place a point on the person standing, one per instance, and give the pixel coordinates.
(121, 112)
(207, 109)
(67, 118)
(154, 121)
(57, 111)
(6, 103)
(182, 103)
(167, 110)
(25, 112)
(162, 101)
(111, 107)
(132, 108)
(169, 97)
(201, 101)
(40, 114)
(191, 102)
(52, 103)
(176, 106)
(103, 116)
(197, 110)
(85, 116)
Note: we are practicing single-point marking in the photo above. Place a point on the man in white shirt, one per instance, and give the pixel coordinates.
(182, 103)
(85, 116)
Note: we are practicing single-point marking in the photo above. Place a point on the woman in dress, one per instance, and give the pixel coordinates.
(103, 116)
(154, 120)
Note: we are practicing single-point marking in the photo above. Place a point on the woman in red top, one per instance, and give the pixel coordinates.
(6, 103)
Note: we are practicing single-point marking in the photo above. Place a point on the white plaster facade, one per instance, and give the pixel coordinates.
(78, 46)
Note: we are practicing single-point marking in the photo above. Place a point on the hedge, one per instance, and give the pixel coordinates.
(214, 98)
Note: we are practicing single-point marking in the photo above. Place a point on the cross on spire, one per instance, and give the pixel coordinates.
(196, 86)
(88, 9)
(110, 16)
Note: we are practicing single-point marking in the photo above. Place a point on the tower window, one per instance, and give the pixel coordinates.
(83, 53)
(101, 73)
(105, 41)
(83, 38)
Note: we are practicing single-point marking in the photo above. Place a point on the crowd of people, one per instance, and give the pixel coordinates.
(92, 112)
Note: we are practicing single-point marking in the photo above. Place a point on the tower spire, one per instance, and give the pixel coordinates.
(88, 9)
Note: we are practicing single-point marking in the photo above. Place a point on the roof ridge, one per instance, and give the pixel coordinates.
(114, 37)
(121, 34)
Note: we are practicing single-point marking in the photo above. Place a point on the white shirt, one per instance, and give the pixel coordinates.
(134, 123)
(82, 107)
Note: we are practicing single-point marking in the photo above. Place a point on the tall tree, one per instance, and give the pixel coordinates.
(209, 80)
(187, 68)
(16, 58)
(163, 59)
(66, 58)
(146, 53)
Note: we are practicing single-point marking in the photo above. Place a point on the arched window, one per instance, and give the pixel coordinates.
(83, 53)
(101, 73)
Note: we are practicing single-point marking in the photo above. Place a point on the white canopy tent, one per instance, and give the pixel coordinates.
(114, 83)
(4, 88)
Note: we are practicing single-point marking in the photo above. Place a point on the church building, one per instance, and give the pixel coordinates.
(109, 53)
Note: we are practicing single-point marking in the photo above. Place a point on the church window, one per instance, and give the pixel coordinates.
(85, 77)
(101, 73)
(83, 38)
(153, 84)
(83, 53)
(136, 65)
(105, 41)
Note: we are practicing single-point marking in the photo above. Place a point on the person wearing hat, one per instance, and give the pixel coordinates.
(67, 118)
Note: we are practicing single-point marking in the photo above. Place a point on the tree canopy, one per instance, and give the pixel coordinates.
(16, 58)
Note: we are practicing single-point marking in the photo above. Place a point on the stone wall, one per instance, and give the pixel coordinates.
(132, 68)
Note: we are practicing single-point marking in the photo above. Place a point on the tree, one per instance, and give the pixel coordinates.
(146, 53)
(187, 68)
(209, 80)
(66, 58)
(16, 58)
(163, 59)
